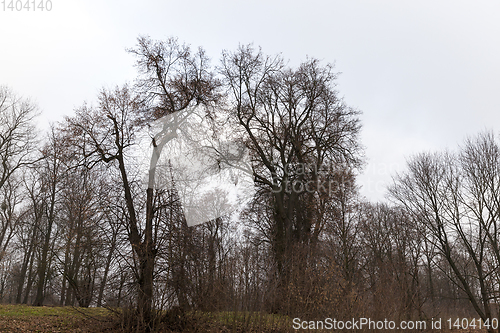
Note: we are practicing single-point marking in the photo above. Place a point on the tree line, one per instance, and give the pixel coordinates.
(79, 227)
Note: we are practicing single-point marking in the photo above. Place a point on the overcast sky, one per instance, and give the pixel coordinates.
(425, 74)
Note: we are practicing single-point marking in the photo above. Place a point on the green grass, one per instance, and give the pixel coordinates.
(245, 315)
(23, 318)
(7, 310)
(242, 321)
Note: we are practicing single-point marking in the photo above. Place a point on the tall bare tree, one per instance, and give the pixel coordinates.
(51, 174)
(18, 141)
(172, 80)
(299, 133)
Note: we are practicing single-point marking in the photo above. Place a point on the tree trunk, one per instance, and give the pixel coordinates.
(26, 260)
(106, 270)
(146, 266)
(145, 300)
(143, 249)
(29, 284)
(42, 267)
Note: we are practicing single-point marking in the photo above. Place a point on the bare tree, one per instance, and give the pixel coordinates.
(299, 132)
(52, 172)
(30, 237)
(455, 198)
(391, 258)
(172, 79)
(17, 147)
(9, 214)
(17, 133)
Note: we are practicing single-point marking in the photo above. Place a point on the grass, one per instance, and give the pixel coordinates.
(22, 318)
(43, 311)
(242, 321)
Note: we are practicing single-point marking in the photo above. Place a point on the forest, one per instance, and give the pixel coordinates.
(87, 221)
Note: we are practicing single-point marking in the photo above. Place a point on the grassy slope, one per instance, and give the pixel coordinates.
(22, 318)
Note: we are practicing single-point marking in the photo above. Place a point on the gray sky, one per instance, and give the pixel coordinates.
(425, 74)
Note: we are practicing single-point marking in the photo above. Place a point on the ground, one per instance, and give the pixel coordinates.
(22, 318)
